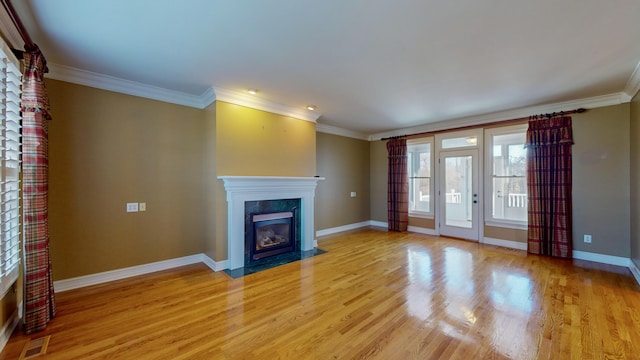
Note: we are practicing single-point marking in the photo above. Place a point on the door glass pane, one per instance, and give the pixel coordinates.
(458, 191)
(459, 142)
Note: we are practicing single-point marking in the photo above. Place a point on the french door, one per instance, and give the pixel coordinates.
(459, 197)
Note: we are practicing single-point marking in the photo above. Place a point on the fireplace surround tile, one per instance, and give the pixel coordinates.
(273, 262)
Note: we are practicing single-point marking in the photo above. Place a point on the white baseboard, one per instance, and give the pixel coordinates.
(635, 271)
(380, 224)
(343, 228)
(601, 258)
(103, 277)
(422, 230)
(8, 328)
(215, 265)
(505, 243)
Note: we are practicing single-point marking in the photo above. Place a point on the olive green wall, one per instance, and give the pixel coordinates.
(107, 149)
(344, 162)
(378, 166)
(601, 180)
(635, 180)
(251, 142)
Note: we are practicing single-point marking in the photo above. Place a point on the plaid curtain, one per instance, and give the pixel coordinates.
(398, 185)
(39, 296)
(548, 145)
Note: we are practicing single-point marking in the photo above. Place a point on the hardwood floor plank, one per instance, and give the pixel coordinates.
(373, 295)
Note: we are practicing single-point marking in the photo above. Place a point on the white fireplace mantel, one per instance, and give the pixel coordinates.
(255, 188)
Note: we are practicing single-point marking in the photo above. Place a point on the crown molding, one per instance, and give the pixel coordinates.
(334, 130)
(587, 103)
(255, 102)
(208, 97)
(105, 82)
(110, 83)
(633, 85)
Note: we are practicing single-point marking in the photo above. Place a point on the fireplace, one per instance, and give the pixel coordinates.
(273, 233)
(244, 189)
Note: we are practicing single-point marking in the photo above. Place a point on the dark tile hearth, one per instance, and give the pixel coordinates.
(273, 262)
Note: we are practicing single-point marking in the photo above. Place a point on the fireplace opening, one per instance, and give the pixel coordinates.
(273, 234)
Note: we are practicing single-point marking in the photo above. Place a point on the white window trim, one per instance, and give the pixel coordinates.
(424, 214)
(507, 224)
(488, 154)
(10, 262)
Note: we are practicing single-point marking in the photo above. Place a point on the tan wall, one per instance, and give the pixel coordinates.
(422, 223)
(505, 234)
(601, 187)
(9, 302)
(107, 149)
(254, 142)
(210, 182)
(344, 162)
(601, 184)
(379, 167)
(251, 142)
(635, 180)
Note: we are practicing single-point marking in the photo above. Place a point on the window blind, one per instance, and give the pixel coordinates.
(10, 158)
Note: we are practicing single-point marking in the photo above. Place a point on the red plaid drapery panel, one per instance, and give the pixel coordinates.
(398, 185)
(39, 293)
(548, 145)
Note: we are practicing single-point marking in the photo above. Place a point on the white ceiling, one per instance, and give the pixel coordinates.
(371, 66)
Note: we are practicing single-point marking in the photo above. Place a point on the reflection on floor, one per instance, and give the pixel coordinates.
(373, 295)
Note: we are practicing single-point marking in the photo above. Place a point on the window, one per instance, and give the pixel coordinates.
(10, 143)
(507, 183)
(420, 170)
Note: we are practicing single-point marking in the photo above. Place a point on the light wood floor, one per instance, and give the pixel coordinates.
(373, 295)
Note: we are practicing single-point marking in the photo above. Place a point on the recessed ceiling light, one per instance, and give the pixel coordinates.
(252, 91)
(311, 107)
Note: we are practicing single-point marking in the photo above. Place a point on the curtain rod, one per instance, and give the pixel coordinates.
(29, 45)
(502, 122)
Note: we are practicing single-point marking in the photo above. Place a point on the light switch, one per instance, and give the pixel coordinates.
(353, 194)
(142, 206)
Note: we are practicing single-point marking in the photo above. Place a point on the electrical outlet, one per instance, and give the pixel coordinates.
(132, 207)
(587, 239)
(353, 194)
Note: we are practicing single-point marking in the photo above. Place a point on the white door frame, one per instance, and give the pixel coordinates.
(478, 174)
(471, 199)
